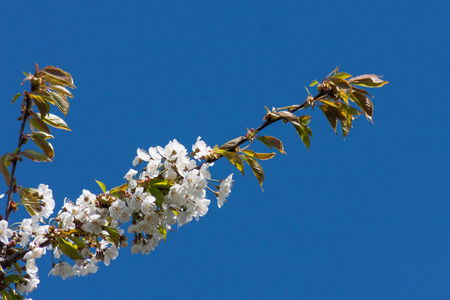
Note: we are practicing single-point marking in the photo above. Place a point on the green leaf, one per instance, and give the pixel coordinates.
(34, 155)
(342, 75)
(260, 156)
(4, 169)
(161, 183)
(363, 102)
(39, 138)
(31, 200)
(314, 82)
(256, 168)
(58, 75)
(68, 248)
(155, 192)
(335, 108)
(42, 105)
(18, 268)
(304, 132)
(288, 116)
(78, 241)
(330, 117)
(102, 186)
(114, 235)
(235, 159)
(271, 141)
(304, 120)
(61, 102)
(119, 191)
(368, 80)
(55, 121)
(61, 90)
(232, 144)
(163, 232)
(16, 96)
(39, 125)
(12, 278)
(340, 83)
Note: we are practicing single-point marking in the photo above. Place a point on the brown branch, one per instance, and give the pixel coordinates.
(22, 140)
(9, 261)
(270, 121)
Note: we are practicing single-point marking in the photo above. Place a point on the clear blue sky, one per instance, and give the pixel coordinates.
(364, 218)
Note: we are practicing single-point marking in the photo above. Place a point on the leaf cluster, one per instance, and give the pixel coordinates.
(341, 89)
(335, 95)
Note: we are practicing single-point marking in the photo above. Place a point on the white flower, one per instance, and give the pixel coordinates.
(224, 190)
(120, 211)
(95, 224)
(5, 232)
(110, 254)
(129, 177)
(86, 199)
(148, 205)
(62, 269)
(88, 267)
(29, 286)
(153, 168)
(49, 203)
(200, 149)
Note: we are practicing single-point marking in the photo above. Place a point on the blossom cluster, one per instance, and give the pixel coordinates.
(169, 187)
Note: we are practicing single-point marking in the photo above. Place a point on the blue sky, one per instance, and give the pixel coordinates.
(364, 218)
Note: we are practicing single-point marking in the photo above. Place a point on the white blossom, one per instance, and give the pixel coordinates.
(5, 232)
(224, 190)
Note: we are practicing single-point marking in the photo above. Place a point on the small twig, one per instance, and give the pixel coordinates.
(270, 121)
(22, 140)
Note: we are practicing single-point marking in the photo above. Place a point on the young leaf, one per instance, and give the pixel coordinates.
(102, 186)
(61, 90)
(271, 141)
(235, 159)
(61, 102)
(230, 145)
(34, 155)
(304, 120)
(304, 132)
(288, 116)
(314, 82)
(368, 80)
(55, 121)
(39, 138)
(113, 234)
(15, 97)
(256, 168)
(260, 156)
(155, 192)
(68, 248)
(42, 105)
(78, 241)
(163, 232)
(340, 83)
(363, 102)
(342, 75)
(30, 199)
(57, 74)
(39, 125)
(4, 169)
(330, 117)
